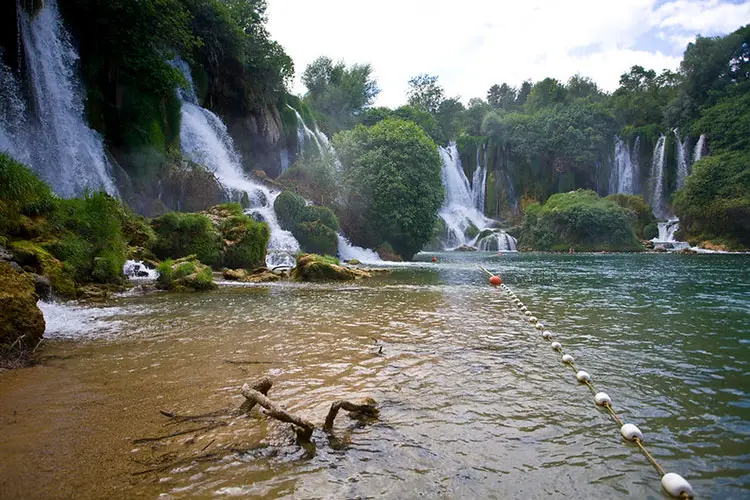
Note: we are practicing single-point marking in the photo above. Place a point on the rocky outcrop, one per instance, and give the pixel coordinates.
(186, 274)
(311, 267)
(260, 275)
(21, 321)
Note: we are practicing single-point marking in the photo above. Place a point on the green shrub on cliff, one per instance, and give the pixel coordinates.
(315, 227)
(714, 204)
(179, 235)
(578, 219)
(641, 213)
(244, 239)
(392, 185)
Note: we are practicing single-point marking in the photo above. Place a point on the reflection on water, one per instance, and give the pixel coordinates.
(473, 403)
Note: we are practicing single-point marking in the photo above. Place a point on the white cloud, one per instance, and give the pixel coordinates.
(473, 44)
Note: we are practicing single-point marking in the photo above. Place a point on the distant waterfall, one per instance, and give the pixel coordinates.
(479, 184)
(305, 135)
(700, 146)
(625, 170)
(49, 132)
(459, 211)
(657, 178)
(683, 157)
(205, 140)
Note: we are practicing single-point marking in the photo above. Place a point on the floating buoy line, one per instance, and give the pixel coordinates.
(673, 483)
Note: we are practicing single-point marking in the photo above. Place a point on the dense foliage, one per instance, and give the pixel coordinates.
(641, 216)
(392, 187)
(315, 227)
(579, 220)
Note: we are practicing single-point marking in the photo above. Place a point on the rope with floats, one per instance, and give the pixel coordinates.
(673, 483)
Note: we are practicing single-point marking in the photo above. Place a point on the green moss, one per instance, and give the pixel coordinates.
(650, 231)
(640, 213)
(316, 237)
(21, 193)
(34, 256)
(180, 235)
(185, 274)
(315, 227)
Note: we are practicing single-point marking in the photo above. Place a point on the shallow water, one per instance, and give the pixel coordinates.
(474, 404)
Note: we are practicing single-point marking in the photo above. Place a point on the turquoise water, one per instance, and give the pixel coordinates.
(474, 403)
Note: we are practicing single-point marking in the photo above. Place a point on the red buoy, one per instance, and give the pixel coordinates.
(495, 280)
(434, 259)
(500, 254)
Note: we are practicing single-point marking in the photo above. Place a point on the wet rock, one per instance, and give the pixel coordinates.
(311, 267)
(466, 248)
(43, 287)
(19, 314)
(353, 262)
(687, 251)
(184, 275)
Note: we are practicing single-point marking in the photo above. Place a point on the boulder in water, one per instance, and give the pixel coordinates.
(20, 318)
(311, 267)
(466, 248)
(185, 274)
(386, 252)
(260, 275)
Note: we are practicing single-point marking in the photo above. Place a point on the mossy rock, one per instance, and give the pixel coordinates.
(186, 274)
(466, 248)
(19, 314)
(179, 235)
(37, 259)
(315, 227)
(471, 231)
(386, 252)
(316, 237)
(260, 275)
(312, 267)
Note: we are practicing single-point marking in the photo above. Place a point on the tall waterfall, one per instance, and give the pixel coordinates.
(683, 157)
(459, 210)
(305, 135)
(205, 140)
(479, 184)
(700, 146)
(49, 131)
(657, 178)
(625, 170)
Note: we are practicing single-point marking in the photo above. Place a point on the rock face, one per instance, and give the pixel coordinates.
(19, 315)
(311, 267)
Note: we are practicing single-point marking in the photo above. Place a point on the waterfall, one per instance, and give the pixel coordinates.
(284, 159)
(683, 156)
(459, 211)
(699, 148)
(205, 140)
(50, 132)
(347, 251)
(305, 135)
(666, 238)
(499, 241)
(479, 185)
(657, 178)
(624, 175)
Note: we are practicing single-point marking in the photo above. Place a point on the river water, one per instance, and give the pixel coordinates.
(474, 404)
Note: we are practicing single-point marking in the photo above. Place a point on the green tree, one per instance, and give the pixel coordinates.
(392, 185)
(450, 117)
(502, 96)
(545, 93)
(338, 91)
(425, 93)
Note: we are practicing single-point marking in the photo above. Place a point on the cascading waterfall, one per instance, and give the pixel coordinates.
(623, 178)
(666, 239)
(657, 178)
(205, 140)
(305, 135)
(700, 146)
(50, 132)
(459, 211)
(479, 184)
(347, 252)
(683, 156)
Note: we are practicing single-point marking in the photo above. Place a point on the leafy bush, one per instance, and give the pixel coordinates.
(578, 219)
(245, 242)
(714, 203)
(184, 274)
(21, 193)
(315, 227)
(641, 214)
(179, 235)
(392, 185)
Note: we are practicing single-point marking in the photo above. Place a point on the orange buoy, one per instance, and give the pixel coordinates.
(495, 280)
(500, 254)
(434, 259)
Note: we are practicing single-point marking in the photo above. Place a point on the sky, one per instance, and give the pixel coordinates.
(473, 44)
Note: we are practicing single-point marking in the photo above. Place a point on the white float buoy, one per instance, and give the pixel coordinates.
(676, 485)
(527, 313)
(583, 376)
(631, 432)
(547, 334)
(556, 345)
(567, 358)
(539, 325)
(533, 319)
(602, 398)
